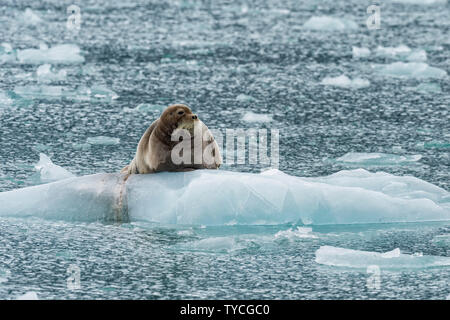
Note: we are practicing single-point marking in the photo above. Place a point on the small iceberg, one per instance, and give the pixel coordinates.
(412, 70)
(428, 88)
(360, 52)
(103, 141)
(392, 260)
(146, 108)
(256, 117)
(50, 172)
(345, 82)
(270, 198)
(44, 73)
(295, 234)
(326, 23)
(377, 159)
(59, 54)
(30, 295)
(245, 98)
(403, 52)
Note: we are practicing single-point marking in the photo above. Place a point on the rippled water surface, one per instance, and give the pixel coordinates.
(224, 59)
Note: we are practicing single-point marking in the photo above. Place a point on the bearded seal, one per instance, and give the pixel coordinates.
(177, 135)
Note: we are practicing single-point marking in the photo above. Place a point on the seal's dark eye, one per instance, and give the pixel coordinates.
(180, 112)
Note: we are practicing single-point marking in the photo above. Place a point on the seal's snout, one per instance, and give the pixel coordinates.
(194, 117)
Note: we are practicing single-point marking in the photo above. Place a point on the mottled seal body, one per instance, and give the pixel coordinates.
(177, 141)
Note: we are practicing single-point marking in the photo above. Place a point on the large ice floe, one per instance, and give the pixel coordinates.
(391, 260)
(217, 197)
(327, 23)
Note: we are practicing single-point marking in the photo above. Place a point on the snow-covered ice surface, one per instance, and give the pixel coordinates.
(226, 59)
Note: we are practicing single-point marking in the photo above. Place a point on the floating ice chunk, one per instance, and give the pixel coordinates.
(146, 108)
(326, 23)
(360, 52)
(392, 51)
(392, 260)
(293, 234)
(213, 244)
(428, 88)
(62, 54)
(245, 98)
(30, 18)
(256, 117)
(412, 70)
(7, 53)
(45, 74)
(103, 141)
(442, 240)
(102, 92)
(30, 295)
(417, 56)
(49, 171)
(345, 82)
(243, 198)
(403, 52)
(377, 159)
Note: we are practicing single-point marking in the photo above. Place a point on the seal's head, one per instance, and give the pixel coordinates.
(178, 116)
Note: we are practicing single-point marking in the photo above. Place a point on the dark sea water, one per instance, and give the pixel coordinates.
(223, 59)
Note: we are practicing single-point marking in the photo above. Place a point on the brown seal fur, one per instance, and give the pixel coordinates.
(154, 149)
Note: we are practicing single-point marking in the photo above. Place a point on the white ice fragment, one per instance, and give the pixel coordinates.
(327, 23)
(103, 140)
(44, 73)
(213, 244)
(412, 70)
(30, 295)
(393, 51)
(345, 82)
(50, 172)
(7, 53)
(293, 234)
(256, 117)
(419, 55)
(392, 260)
(360, 52)
(62, 54)
(245, 98)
